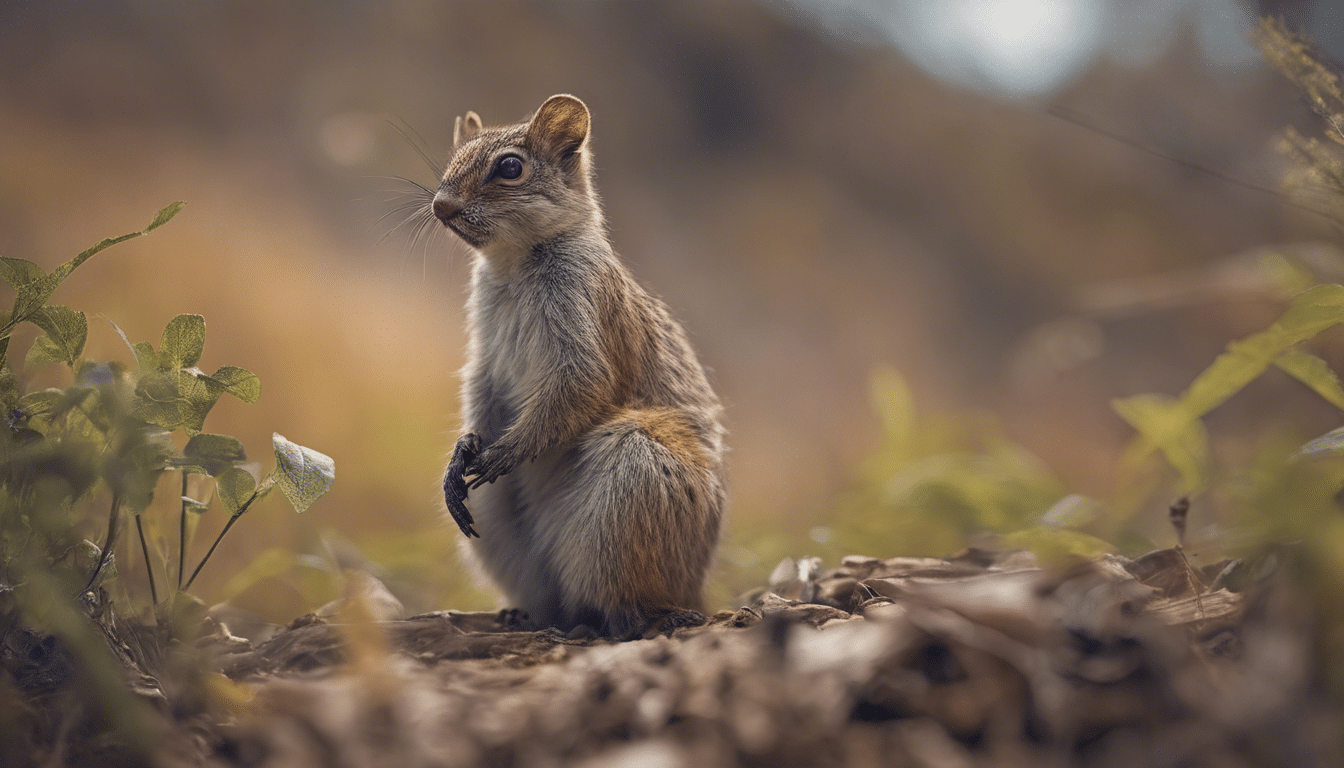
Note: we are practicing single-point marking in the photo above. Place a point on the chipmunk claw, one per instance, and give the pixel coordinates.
(492, 463)
(455, 485)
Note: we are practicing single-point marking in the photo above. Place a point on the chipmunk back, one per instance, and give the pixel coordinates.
(589, 479)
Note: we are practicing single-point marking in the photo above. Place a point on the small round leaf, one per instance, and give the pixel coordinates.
(302, 473)
(183, 342)
(235, 487)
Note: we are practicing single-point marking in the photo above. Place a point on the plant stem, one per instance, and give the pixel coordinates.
(182, 536)
(112, 518)
(149, 567)
(218, 538)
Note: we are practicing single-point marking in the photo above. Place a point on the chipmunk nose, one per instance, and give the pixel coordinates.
(446, 207)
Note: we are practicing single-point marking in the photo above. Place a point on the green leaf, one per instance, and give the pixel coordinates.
(236, 487)
(43, 352)
(215, 453)
(239, 382)
(1169, 427)
(41, 403)
(1287, 274)
(66, 328)
(1175, 428)
(164, 216)
(136, 473)
(146, 359)
(199, 394)
(183, 342)
(59, 274)
(303, 474)
(176, 399)
(9, 389)
(1307, 315)
(21, 275)
(1055, 545)
(31, 287)
(1315, 373)
(157, 400)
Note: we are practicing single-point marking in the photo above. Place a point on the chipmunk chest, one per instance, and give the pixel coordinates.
(508, 344)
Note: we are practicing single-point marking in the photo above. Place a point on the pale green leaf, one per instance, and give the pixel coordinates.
(62, 272)
(146, 359)
(1286, 274)
(1308, 314)
(164, 216)
(199, 394)
(215, 453)
(21, 275)
(183, 342)
(135, 473)
(239, 382)
(43, 352)
(1315, 373)
(235, 487)
(41, 403)
(157, 400)
(9, 389)
(66, 328)
(1054, 545)
(1169, 427)
(303, 474)
(32, 287)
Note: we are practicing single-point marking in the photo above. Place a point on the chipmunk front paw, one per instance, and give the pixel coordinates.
(490, 465)
(455, 486)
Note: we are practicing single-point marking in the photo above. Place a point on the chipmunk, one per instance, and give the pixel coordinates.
(589, 478)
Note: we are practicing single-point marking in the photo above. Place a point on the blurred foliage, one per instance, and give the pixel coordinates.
(930, 487)
(1319, 165)
(1174, 427)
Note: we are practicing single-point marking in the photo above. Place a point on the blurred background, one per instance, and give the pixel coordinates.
(821, 190)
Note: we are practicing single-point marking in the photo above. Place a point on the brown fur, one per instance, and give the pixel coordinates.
(591, 468)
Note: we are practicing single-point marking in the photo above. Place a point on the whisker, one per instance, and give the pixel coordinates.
(404, 222)
(400, 209)
(403, 180)
(434, 167)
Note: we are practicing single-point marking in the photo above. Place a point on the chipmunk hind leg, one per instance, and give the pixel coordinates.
(638, 513)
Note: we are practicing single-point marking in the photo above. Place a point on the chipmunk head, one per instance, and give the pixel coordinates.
(518, 185)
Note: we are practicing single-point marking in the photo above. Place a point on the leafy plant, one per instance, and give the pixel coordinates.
(1318, 175)
(1173, 426)
(931, 485)
(110, 434)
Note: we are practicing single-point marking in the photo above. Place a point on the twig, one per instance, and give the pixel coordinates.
(149, 567)
(218, 538)
(182, 535)
(112, 518)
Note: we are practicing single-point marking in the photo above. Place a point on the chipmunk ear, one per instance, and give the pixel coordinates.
(560, 124)
(464, 128)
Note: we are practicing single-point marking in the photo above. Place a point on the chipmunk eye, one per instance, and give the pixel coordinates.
(509, 167)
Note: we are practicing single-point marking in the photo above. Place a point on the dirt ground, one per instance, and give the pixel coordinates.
(981, 659)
